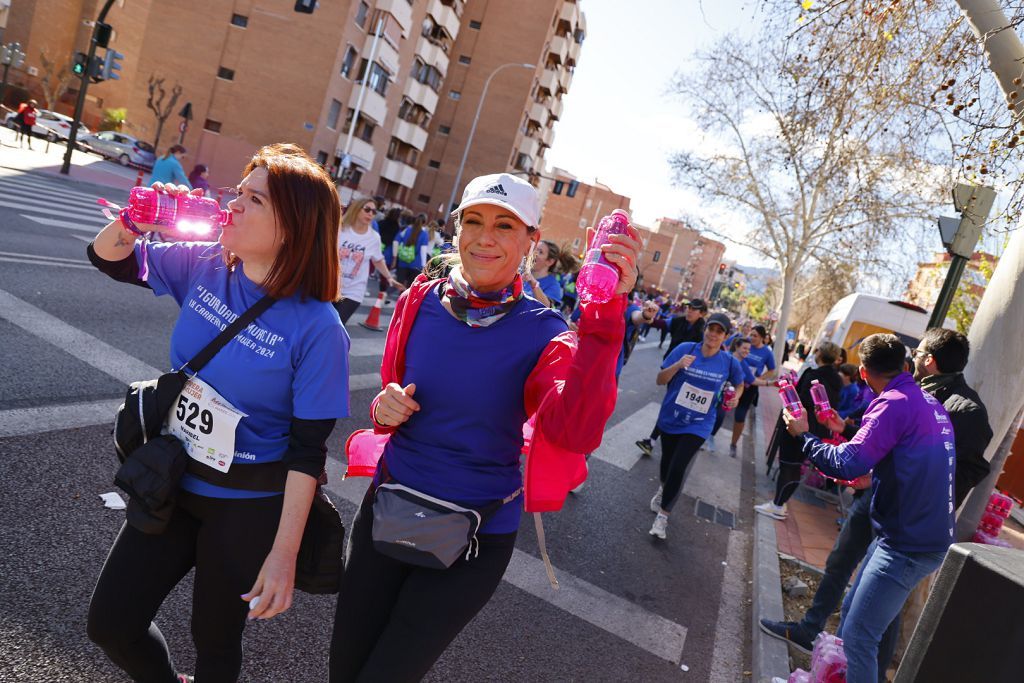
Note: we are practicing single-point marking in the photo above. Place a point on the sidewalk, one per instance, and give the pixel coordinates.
(85, 167)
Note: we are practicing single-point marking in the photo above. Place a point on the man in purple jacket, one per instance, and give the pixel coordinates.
(907, 439)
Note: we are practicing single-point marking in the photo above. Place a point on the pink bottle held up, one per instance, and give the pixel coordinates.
(186, 213)
(790, 399)
(598, 277)
(822, 408)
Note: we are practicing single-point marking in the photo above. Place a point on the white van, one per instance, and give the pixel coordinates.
(856, 316)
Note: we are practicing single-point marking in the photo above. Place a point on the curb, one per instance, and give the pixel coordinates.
(769, 656)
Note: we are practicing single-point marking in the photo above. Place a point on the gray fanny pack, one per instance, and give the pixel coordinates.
(418, 529)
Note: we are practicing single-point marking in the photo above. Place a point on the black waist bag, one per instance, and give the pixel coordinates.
(418, 529)
(151, 463)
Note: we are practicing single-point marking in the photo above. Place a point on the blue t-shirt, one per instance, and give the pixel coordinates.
(421, 241)
(464, 444)
(292, 361)
(700, 385)
(759, 359)
(551, 288)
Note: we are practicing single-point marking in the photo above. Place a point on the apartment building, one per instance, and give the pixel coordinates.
(569, 206)
(923, 289)
(524, 54)
(691, 264)
(256, 72)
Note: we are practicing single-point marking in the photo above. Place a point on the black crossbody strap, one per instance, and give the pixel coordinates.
(241, 322)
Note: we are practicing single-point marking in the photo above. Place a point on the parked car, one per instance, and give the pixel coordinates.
(49, 124)
(125, 149)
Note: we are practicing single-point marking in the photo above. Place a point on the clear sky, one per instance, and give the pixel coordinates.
(620, 124)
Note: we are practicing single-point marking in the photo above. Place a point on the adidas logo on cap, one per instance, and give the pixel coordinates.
(497, 189)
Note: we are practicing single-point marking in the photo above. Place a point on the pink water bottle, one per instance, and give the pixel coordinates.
(598, 278)
(186, 213)
(790, 399)
(822, 408)
(728, 394)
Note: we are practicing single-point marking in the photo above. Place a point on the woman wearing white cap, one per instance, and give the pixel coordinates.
(457, 436)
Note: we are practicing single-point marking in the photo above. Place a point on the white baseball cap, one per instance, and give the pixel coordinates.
(504, 190)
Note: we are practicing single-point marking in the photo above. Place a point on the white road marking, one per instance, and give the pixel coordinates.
(8, 189)
(32, 262)
(50, 208)
(618, 446)
(56, 187)
(609, 612)
(68, 225)
(71, 340)
(22, 421)
(367, 348)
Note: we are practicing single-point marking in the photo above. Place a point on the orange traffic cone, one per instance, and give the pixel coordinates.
(372, 321)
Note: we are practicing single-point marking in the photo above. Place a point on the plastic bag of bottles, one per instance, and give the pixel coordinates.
(799, 676)
(828, 660)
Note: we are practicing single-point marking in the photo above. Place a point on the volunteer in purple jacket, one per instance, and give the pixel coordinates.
(284, 379)
(695, 375)
(459, 435)
(907, 439)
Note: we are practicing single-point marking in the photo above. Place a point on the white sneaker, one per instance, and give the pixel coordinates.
(656, 501)
(710, 443)
(659, 526)
(770, 509)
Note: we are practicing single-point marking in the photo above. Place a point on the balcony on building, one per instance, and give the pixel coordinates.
(401, 10)
(573, 55)
(387, 55)
(373, 106)
(363, 154)
(529, 146)
(565, 79)
(555, 108)
(568, 17)
(547, 136)
(411, 134)
(558, 49)
(422, 94)
(443, 15)
(432, 53)
(538, 112)
(398, 172)
(549, 81)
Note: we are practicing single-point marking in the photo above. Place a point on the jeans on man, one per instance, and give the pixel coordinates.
(850, 548)
(885, 581)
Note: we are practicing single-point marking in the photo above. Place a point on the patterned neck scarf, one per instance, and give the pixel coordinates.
(480, 309)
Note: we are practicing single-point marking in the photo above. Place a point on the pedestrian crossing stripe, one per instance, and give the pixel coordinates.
(49, 186)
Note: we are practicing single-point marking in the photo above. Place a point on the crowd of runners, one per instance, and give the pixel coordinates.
(485, 290)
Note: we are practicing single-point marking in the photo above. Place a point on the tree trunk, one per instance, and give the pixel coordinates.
(785, 310)
(159, 129)
(995, 369)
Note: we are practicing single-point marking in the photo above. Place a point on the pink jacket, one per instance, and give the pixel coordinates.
(570, 393)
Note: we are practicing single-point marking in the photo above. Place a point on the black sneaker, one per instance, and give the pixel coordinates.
(788, 631)
(646, 446)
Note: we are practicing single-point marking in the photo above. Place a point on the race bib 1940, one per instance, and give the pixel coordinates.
(694, 399)
(205, 423)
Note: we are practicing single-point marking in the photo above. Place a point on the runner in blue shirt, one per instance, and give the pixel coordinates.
(739, 347)
(761, 360)
(541, 280)
(695, 374)
(408, 250)
(268, 399)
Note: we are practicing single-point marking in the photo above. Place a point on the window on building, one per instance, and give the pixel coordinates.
(434, 163)
(465, 59)
(378, 79)
(226, 74)
(475, 25)
(444, 130)
(211, 125)
(350, 61)
(573, 186)
(523, 162)
(423, 199)
(559, 186)
(576, 243)
(321, 158)
(587, 204)
(656, 257)
(239, 20)
(403, 152)
(426, 74)
(364, 129)
(454, 94)
(413, 113)
(361, 14)
(333, 112)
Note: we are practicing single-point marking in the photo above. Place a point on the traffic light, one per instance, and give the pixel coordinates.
(721, 268)
(103, 34)
(111, 65)
(81, 60)
(96, 69)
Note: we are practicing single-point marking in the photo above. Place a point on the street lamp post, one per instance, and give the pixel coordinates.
(472, 130)
(10, 55)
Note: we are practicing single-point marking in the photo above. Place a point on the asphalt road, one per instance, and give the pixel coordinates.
(630, 608)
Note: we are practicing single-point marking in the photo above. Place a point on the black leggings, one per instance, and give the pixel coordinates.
(791, 460)
(677, 451)
(226, 541)
(345, 308)
(393, 619)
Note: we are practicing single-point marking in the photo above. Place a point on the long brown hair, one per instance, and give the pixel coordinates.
(307, 210)
(417, 228)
